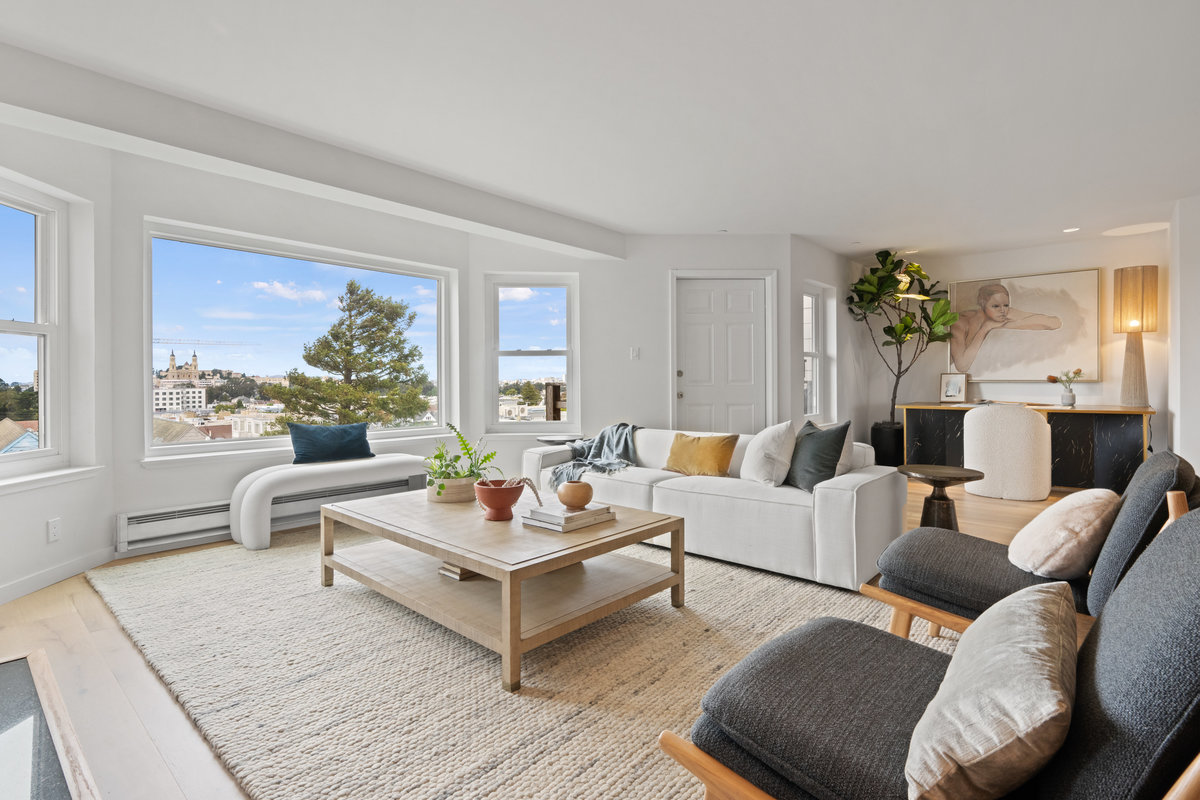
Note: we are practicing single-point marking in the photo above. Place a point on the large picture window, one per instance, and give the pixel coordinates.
(246, 340)
(531, 324)
(29, 230)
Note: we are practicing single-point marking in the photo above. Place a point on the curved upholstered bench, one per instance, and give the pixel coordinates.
(250, 508)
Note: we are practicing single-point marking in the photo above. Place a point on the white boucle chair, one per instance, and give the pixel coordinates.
(1010, 445)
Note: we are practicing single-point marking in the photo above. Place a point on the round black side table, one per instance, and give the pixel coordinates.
(938, 511)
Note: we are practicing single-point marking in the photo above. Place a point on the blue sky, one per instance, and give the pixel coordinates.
(270, 306)
(273, 306)
(18, 354)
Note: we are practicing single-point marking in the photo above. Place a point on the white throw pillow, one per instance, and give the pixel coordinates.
(1005, 703)
(1064, 541)
(769, 454)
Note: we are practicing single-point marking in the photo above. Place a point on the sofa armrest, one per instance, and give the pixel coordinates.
(536, 459)
(855, 517)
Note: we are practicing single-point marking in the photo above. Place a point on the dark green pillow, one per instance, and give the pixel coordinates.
(314, 443)
(816, 456)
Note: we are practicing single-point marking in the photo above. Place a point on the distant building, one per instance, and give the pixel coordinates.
(17, 437)
(217, 431)
(185, 373)
(169, 432)
(180, 398)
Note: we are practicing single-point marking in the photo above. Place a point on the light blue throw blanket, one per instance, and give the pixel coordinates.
(610, 451)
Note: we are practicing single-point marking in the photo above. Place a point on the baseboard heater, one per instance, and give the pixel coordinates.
(150, 531)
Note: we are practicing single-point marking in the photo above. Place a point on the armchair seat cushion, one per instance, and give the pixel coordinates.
(866, 686)
(956, 572)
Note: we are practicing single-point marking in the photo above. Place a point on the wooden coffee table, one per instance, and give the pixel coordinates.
(533, 585)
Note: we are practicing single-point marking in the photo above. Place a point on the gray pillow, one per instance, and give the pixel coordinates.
(1004, 705)
(816, 456)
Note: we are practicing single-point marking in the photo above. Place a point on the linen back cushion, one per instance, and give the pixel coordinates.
(1137, 705)
(316, 443)
(701, 455)
(1063, 541)
(817, 455)
(769, 454)
(1004, 705)
(1143, 511)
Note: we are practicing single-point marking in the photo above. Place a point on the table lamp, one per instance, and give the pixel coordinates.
(1135, 311)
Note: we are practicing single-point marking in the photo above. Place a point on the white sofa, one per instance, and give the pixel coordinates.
(832, 535)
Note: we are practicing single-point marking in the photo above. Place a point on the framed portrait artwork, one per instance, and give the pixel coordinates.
(954, 387)
(1026, 327)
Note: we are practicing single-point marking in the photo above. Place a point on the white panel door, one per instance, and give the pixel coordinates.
(720, 335)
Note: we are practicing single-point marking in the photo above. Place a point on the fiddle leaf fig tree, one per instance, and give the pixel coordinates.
(910, 313)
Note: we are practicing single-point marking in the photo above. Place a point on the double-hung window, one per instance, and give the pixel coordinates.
(531, 320)
(31, 346)
(249, 334)
(812, 353)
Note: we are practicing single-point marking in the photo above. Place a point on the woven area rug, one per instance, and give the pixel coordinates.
(312, 692)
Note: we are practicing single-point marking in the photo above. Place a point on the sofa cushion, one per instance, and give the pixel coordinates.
(769, 454)
(1143, 512)
(316, 443)
(830, 706)
(701, 455)
(1004, 705)
(817, 455)
(1063, 541)
(632, 486)
(956, 572)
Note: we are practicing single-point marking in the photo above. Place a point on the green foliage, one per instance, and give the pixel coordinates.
(235, 387)
(913, 311)
(378, 378)
(530, 394)
(17, 403)
(469, 462)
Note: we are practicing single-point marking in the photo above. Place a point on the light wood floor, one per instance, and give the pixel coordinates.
(138, 741)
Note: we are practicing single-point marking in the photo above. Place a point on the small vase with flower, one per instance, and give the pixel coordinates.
(1066, 379)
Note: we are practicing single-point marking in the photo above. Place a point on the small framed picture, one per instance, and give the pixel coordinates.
(954, 387)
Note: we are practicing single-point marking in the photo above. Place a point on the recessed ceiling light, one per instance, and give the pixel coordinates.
(1070, 230)
(1141, 227)
(911, 252)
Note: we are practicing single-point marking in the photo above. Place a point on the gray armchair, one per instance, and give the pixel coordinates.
(949, 578)
(827, 710)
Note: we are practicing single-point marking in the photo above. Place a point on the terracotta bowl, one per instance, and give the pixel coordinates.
(575, 494)
(497, 499)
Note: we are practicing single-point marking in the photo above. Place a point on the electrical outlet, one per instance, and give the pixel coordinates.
(635, 353)
(53, 529)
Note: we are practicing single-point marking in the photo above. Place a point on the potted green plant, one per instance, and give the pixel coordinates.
(910, 314)
(450, 478)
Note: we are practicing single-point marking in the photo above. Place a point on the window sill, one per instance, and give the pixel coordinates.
(282, 451)
(39, 480)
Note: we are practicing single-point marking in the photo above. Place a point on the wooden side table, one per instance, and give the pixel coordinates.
(938, 511)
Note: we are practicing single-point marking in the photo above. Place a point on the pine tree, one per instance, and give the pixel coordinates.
(378, 377)
(530, 394)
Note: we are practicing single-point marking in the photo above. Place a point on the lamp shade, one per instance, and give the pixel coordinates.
(1135, 299)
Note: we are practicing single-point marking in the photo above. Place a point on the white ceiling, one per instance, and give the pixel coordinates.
(947, 125)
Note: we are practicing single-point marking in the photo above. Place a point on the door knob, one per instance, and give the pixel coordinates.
(679, 395)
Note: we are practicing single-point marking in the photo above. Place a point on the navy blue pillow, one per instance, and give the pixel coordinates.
(314, 443)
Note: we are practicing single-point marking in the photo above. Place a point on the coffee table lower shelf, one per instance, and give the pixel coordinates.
(551, 604)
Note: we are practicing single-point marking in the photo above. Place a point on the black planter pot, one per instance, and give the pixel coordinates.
(888, 440)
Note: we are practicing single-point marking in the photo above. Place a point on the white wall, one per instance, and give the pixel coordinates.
(80, 175)
(1184, 402)
(1105, 253)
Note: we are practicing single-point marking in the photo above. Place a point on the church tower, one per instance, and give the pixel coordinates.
(195, 363)
(172, 367)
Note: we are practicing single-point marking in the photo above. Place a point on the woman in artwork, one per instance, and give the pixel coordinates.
(972, 327)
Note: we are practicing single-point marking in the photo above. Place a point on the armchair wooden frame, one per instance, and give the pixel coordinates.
(722, 783)
(905, 609)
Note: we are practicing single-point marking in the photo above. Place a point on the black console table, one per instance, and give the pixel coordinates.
(1090, 446)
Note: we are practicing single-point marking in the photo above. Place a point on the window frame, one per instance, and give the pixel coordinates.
(175, 230)
(817, 354)
(50, 265)
(493, 283)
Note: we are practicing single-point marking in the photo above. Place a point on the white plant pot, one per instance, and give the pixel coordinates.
(1068, 398)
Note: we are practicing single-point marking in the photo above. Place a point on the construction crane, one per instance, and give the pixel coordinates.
(206, 342)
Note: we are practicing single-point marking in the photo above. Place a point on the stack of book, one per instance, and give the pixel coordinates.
(558, 518)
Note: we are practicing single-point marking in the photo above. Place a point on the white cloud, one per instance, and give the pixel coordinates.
(289, 291)
(425, 309)
(517, 294)
(425, 291)
(21, 289)
(557, 322)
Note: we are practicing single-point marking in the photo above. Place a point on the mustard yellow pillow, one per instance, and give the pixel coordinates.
(701, 455)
